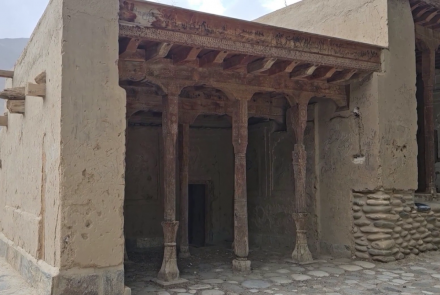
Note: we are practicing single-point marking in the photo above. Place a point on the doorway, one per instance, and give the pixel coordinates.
(197, 214)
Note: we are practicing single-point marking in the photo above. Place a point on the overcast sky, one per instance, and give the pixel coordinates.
(19, 17)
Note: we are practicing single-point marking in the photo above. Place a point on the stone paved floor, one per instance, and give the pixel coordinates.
(11, 282)
(209, 273)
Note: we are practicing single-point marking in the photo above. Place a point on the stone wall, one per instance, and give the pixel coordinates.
(388, 227)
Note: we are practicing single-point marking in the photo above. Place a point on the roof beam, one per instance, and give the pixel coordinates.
(129, 47)
(281, 67)
(186, 55)
(17, 93)
(323, 73)
(303, 71)
(16, 106)
(160, 50)
(260, 65)
(235, 62)
(342, 76)
(6, 74)
(212, 58)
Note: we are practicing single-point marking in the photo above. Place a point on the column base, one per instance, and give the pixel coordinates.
(241, 265)
(169, 271)
(301, 253)
(184, 252)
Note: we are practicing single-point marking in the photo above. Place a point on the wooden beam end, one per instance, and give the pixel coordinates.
(35, 90)
(16, 106)
(6, 74)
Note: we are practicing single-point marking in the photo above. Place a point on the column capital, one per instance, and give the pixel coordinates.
(299, 97)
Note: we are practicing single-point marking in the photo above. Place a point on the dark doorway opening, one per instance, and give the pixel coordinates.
(196, 214)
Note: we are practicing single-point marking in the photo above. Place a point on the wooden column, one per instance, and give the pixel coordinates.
(240, 142)
(428, 76)
(169, 271)
(184, 164)
(299, 155)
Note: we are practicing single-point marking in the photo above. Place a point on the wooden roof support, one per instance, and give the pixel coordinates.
(6, 74)
(16, 106)
(260, 65)
(35, 90)
(17, 93)
(281, 67)
(303, 71)
(235, 62)
(186, 55)
(212, 58)
(323, 73)
(159, 51)
(342, 76)
(4, 121)
(130, 47)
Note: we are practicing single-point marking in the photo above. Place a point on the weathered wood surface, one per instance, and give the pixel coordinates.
(6, 74)
(184, 179)
(17, 93)
(265, 107)
(16, 106)
(35, 90)
(191, 76)
(163, 23)
(426, 13)
(240, 142)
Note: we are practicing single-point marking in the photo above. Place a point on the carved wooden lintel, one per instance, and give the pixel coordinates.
(6, 74)
(16, 106)
(35, 90)
(17, 93)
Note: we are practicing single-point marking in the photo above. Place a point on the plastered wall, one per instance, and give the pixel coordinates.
(30, 148)
(377, 149)
(361, 20)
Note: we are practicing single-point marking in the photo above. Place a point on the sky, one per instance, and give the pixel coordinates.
(19, 17)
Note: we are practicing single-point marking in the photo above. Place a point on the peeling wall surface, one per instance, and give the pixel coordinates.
(361, 20)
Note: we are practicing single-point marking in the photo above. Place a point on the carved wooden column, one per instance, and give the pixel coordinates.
(169, 271)
(299, 155)
(428, 76)
(184, 164)
(240, 142)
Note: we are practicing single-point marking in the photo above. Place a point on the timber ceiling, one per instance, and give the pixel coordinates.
(206, 53)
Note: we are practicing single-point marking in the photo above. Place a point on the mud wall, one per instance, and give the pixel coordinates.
(211, 163)
(271, 197)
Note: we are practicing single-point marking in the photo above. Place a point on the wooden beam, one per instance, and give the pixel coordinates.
(35, 90)
(299, 46)
(41, 78)
(16, 106)
(303, 71)
(235, 62)
(130, 47)
(6, 74)
(159, 51)
(17, 93)
(212, 58)
(4, 121)
(186, 55)
(342, 76)
(260, 65)
(323, 73)
(281, 67)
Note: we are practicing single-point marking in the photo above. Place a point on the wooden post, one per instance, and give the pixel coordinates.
(240, 142)
(299, 155)
(169, 271)
(428, 76)
(184, 164)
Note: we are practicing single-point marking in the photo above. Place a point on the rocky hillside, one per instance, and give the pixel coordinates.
(10, 51)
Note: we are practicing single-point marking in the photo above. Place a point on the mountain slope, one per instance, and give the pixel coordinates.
(10, 51)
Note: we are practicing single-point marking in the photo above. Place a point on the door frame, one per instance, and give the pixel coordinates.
(209, 189)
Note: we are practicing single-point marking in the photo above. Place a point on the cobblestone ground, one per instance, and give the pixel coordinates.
(11, 282)
(209, 273)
